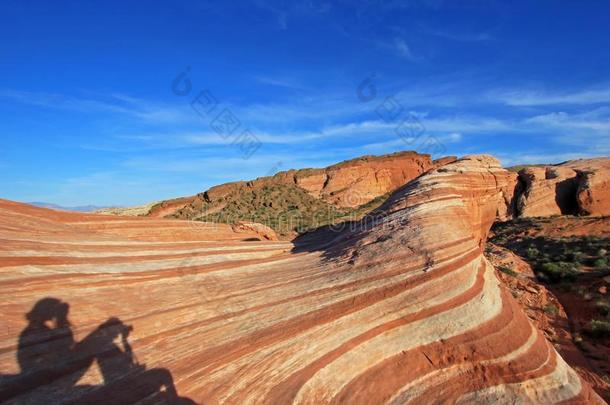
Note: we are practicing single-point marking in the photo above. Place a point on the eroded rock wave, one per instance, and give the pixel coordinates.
(400, 309)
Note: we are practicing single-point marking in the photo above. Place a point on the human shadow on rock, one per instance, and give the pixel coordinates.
(52, 363)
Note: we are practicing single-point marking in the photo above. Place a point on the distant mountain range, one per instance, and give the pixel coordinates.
(83, 208)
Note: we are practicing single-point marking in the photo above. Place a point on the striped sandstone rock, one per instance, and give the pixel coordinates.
(400, 308)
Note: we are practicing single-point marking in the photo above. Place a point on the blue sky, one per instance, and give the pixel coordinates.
(94, 110)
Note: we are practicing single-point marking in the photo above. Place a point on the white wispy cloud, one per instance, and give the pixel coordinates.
(461, 36)
(396, 45)
(330, 117)
(402, 48)
(308, 110)
(281, 15)
(398, 143)
(573, 121)
(542, 158)
(227, 168)
(280, 82)
(542, 98)
(55, 100)
(455, 128)
(144, 110)
(470, 124)
(455, 137)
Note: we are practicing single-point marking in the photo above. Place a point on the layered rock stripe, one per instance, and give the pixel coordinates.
(401, 309)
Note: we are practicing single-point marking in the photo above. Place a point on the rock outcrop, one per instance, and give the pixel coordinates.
(579, 187)
(547, 191)
(168, 207)
(593, 195)
(261, 230)
(511, 189)
(134, 211)
(348, 184)
(443, 161)
(401, 307)
(321, 196)
(358, 181)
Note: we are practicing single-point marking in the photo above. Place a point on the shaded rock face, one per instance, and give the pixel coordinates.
(510, 190)
(402, 308)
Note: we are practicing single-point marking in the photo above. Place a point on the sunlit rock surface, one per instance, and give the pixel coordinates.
(577, 187)
(399, 308)
(594, 186)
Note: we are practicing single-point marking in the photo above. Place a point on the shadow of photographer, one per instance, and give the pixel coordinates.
(48, 355)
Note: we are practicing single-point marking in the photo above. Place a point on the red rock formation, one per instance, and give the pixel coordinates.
(444, 161)
(261, 230)
(347, 184)
(510, 193)
(574, 187)
(547, 191)
(168, 207)
(403, 308)
(358, 181)
(594, 186)
(223, 190)
(435, 227)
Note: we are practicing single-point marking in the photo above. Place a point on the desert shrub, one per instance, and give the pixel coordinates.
(574, 256)
(550, 309)
(598, 328)
(603, 307)
(501, 239)
(560, 271)
(532, 252)
(508, 270)
(581, 290)
(601, 263)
